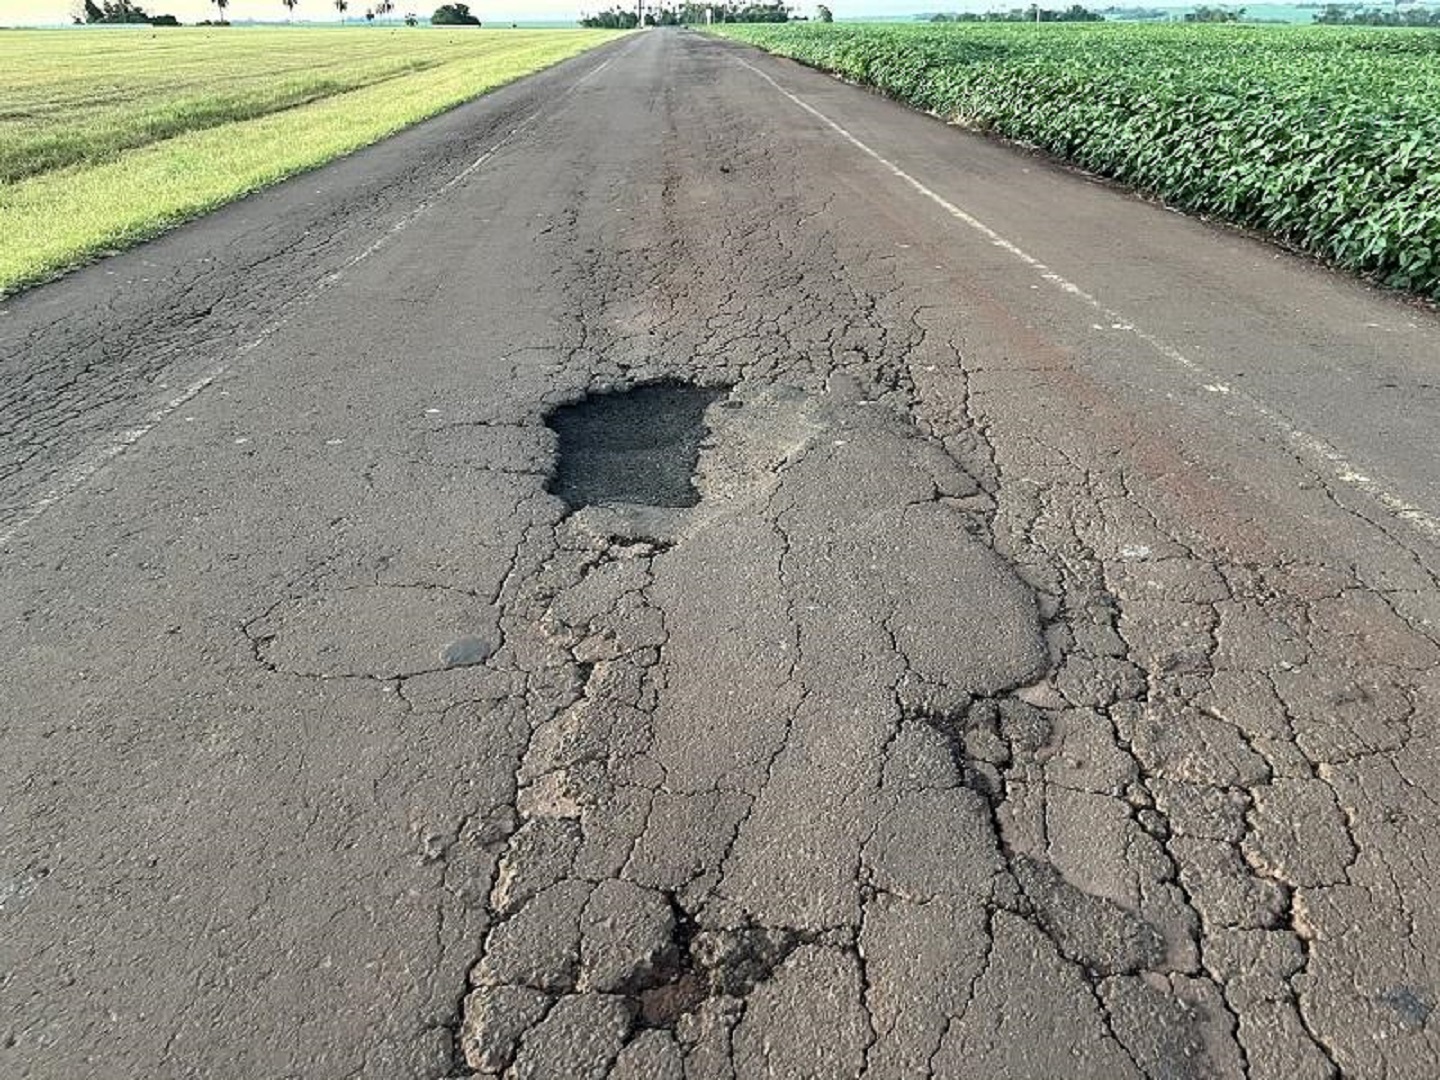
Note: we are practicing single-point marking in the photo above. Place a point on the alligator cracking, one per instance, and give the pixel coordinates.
(892, 729)
(921, 708)
(907, 750)
(696, 861)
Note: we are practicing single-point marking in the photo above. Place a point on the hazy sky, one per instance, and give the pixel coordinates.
(22, 12)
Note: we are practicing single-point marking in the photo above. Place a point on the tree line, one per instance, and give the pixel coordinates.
(119, 12)
(126, 12)
(690, 14)
(1074, 13)
(1203, 14)
(1340, 15)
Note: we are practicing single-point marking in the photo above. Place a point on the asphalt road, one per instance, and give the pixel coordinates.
(1010, 651)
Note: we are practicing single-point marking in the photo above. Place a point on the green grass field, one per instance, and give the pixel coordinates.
(1326, 137)
(108, 137)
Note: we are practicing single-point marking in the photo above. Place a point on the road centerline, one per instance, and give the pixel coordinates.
(119, 443)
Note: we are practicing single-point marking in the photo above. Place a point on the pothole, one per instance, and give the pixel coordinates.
(633, 447)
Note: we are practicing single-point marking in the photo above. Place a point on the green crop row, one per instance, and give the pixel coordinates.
(1327, 138)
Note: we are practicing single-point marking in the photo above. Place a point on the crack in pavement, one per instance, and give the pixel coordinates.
(973, 721)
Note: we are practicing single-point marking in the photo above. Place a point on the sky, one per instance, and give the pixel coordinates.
(41, 12)
(52, 12)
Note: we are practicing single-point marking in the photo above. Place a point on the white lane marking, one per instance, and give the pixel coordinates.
(78, 474)
(73, 477)
(1319, 454)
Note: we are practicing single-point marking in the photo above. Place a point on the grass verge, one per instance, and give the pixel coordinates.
(145, 141)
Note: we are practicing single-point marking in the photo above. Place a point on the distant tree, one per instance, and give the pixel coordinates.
(290, 6)
(383, 8)
(454, 15)
(122, 11)
(220, 6)
(772, 12)
(824, 14)
(411, 19)
(114, 11)
(1205, 14)
(342, 6)
(615, 19)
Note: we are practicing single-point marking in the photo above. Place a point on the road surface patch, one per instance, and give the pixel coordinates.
(377, 632)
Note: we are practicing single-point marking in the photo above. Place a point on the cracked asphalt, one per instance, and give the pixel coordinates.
(1039, 680)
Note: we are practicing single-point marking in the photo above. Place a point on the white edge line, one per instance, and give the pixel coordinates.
(79, 474)
(1321, 455)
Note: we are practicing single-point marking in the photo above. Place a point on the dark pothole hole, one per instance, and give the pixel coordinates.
(638, 446)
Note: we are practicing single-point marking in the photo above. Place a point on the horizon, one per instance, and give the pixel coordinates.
(47, 13)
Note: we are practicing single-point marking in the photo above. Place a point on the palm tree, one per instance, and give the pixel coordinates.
(384, 7)
(342, 6)
(290, 8)
(220, 6)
